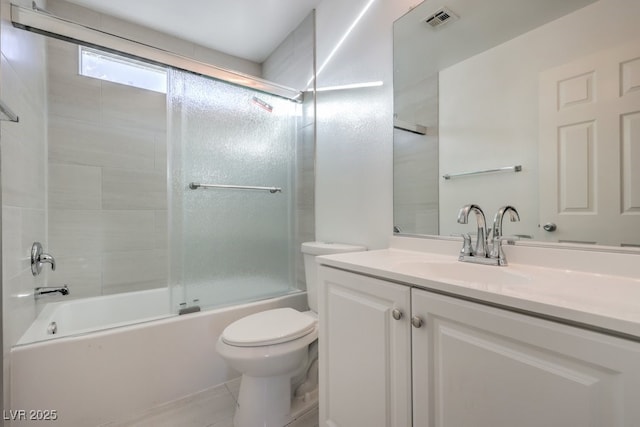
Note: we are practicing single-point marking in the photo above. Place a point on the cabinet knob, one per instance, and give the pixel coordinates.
(396, 313)
(416, 321)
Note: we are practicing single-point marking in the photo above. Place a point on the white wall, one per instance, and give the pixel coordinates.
(489, 110)
(354, 152)
(23, 146)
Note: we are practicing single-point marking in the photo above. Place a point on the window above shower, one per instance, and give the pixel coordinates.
(115, 68)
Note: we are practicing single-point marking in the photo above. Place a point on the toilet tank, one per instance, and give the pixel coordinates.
(310, 251)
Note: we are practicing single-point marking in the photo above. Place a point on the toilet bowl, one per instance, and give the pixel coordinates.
(276, 353)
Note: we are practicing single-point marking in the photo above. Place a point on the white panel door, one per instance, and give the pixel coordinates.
(590, 148)
(478, 366)
(365, 365)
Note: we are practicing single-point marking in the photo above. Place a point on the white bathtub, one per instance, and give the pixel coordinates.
(97, 313)
(103, 376)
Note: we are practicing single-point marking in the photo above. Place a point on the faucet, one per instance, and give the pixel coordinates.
(481, 239)
(481, 254)
(496, 232)
(45, 290)
(38, 257)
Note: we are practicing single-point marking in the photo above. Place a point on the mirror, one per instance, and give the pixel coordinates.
(543, 93)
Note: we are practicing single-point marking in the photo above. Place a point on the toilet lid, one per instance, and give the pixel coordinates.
(268, 327)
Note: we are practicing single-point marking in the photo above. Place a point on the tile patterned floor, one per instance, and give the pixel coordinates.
(211, 408)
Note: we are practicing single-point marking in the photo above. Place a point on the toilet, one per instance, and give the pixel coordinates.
(276, 352)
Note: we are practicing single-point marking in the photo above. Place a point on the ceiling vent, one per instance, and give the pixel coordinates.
(441, 17)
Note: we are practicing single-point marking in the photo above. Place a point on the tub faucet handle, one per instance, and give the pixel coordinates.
(38, 257)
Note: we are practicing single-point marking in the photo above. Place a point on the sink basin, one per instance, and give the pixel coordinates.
(462, 272)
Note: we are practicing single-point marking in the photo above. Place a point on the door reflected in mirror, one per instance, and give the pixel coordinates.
(553, 87)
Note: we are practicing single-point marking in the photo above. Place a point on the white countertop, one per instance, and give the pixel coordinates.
(606, 301)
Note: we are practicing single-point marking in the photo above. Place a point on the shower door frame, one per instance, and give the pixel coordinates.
(41, 22)
(49, 25)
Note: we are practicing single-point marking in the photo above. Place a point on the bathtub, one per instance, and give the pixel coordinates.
(87, 315)
(93, 378)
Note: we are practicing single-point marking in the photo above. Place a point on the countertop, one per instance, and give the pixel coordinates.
(604, 302)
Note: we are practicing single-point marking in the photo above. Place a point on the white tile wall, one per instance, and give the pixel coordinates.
(160, 159)
(125, 189)
(161, 224)
(108, 154)
(128, 230)
(23, 169)
(134, 270)
(100, 144)
(107, 181)
(75, 187)
(82, 272)
(74, 233)
(133, 107)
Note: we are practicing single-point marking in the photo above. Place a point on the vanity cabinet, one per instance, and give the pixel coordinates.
(467, 364)
(365, 354)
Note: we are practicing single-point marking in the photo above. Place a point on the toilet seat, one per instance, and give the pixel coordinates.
(268, 328)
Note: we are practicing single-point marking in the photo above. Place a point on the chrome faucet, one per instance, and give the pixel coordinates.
(481, 239)
(38, 257)
(480, 254)
(496, 232)
(46, 290)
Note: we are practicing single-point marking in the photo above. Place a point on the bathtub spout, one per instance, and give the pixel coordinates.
(45, 290)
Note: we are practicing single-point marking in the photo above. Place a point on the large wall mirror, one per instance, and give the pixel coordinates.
(546, 92)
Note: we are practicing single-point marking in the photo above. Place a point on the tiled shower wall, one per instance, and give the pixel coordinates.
(23, 147)
(107, 160)
(107, 180)
(107, 164)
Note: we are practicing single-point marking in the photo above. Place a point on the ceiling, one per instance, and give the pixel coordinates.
(249, 29)
(481, 25)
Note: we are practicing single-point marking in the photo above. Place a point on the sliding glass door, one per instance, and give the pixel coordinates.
(231, 177)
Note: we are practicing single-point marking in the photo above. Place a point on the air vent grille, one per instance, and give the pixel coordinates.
(441, 17)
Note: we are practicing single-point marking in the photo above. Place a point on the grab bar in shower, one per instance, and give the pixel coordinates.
(195, 186)
(516, 168)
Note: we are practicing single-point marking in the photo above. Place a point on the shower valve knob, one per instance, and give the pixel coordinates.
(38, 257)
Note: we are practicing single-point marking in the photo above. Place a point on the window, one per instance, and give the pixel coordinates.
(119, 69)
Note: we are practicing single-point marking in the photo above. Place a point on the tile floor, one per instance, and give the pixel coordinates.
(211, 408)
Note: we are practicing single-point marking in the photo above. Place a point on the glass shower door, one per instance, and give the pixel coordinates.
(229, 244)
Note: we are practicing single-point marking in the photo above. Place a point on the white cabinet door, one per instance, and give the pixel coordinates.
(590, 148)
(365, 365)
(479, 366)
